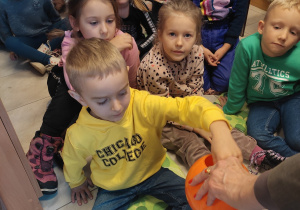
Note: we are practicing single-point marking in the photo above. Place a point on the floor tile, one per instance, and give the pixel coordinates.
(22, 88)
(28, 119)
(9, 67)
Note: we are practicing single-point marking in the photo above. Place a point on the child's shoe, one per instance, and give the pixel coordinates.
(40, 155)
(44, 48)
(54, 59)
(270, 160)
(42, 68)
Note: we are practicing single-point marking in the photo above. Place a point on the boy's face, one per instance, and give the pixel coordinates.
(177, 42)
(280, 31)
(108, 98)
(97, 19)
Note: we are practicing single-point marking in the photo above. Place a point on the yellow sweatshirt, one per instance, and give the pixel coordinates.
(127, 152)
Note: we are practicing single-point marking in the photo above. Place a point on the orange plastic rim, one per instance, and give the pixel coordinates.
(191, 191)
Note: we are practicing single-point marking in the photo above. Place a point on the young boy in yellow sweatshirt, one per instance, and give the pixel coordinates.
(121, 129)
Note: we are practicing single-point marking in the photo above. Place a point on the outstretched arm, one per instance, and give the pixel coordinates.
(223, 145)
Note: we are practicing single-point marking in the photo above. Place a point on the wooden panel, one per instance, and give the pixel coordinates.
(19, 150)
(16, 184)
(261, 4)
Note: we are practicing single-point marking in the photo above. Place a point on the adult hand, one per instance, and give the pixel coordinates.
(81, 192)
(229, 182)
(122, 41)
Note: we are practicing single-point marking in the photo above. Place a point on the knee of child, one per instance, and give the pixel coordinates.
(293, 141)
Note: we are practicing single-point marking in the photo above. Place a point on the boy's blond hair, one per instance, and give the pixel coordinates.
(285, 4)
(93, 58)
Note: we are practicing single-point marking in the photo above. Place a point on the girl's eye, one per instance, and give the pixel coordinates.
(110, 20)
(172, 34)
(94, 23)
(293, 33)
(276, 27)
(188, 35)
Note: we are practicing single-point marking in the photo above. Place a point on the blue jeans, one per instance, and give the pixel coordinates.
(266, 118)
(164, 185)
(213, 35)
(26, 47)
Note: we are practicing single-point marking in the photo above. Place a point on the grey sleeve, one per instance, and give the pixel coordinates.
(279, 188)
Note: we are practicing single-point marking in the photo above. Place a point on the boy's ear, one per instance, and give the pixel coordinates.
(261, 25)
(73, 23)
(77, 97)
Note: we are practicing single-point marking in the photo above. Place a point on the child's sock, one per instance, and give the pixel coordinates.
(255, 150)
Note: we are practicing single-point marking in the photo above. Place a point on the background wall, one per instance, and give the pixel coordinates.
(262, 4)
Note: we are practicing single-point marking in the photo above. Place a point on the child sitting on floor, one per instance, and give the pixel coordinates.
(174, 68)
(103, 22)
(266, 75)
(223, 23)
(135, 16)
(23, 28)
(121, 128)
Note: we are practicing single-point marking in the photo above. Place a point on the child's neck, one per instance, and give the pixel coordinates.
(123, 10)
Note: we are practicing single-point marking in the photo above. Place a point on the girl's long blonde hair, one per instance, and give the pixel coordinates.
(140, 4)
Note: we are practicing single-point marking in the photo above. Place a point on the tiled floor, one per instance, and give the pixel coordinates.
(24, 94)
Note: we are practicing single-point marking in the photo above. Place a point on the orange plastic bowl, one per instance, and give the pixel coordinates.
(190, 191)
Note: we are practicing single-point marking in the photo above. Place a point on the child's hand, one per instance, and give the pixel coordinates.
(222, 51)
(58, 4)
(223, 101)
(13, 56)
(81, 191)
(205, 134)
(210, 58)
(122, 41)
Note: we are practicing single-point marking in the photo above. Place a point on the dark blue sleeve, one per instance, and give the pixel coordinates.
(237, 20)
(51, 11)
(4, 26)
